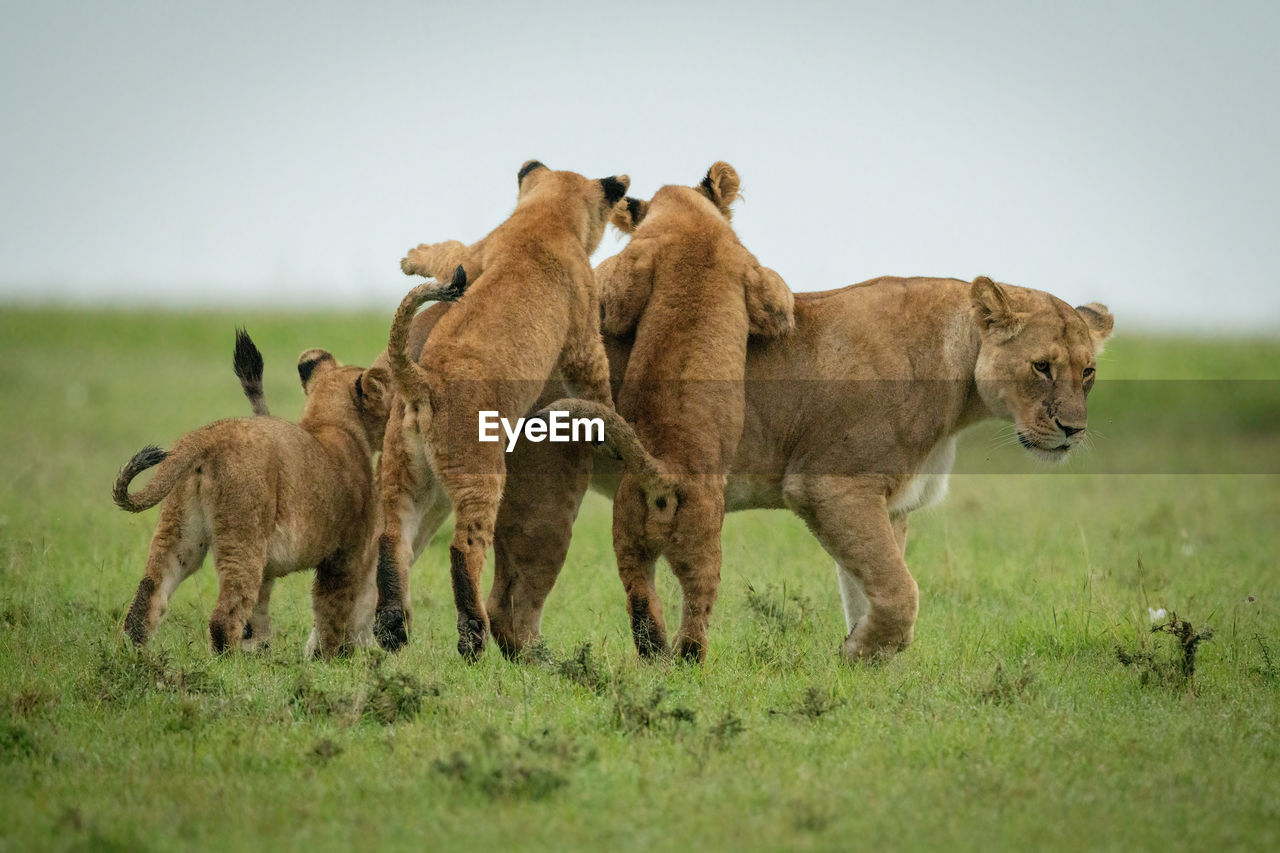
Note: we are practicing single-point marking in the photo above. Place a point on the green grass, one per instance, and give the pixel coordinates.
(1010, 724)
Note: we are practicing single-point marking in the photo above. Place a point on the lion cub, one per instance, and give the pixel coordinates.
(691, 294)
(530, 310)
(271, 497)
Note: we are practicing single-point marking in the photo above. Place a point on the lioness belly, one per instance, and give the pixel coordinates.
(928, 486)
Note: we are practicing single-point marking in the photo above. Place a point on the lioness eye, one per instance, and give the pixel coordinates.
(1088, 371)
(1042, 367)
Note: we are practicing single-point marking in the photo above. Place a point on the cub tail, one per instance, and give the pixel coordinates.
(173, 468)
(248, 366)
(409, 376)
(658, 482)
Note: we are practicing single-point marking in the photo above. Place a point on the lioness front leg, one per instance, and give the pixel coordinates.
(851, 521)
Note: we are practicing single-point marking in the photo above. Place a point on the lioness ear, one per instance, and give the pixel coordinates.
(1100, 322)
(991, 308)
(615, 188)
(311, 364)
(628, 214)
(371, 390)
(721, 185)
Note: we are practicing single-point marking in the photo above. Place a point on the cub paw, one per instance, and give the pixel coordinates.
(391, 628)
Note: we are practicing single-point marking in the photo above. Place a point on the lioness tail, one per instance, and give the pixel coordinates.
(248, 366)
(409, 376)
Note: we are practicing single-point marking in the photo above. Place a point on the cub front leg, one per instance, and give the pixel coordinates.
(770, 304)
(440, 260)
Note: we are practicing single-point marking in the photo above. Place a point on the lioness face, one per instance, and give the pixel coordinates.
(1037, 364)
(596, 199)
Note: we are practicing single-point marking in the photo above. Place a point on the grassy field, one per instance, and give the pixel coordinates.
(1011, 723)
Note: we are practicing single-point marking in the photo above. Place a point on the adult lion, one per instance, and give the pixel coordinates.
(851, 423)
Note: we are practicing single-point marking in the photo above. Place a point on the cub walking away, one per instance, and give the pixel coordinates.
(271, 497)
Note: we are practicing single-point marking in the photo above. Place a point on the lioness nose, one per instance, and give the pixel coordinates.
(1068, 431)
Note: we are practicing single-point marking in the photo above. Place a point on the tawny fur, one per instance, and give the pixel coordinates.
(850, 422)
(270, 497)
(531, 311)
(691, 294)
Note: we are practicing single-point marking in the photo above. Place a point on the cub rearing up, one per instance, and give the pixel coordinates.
(692, 294)
(273, 497)
(530, 309)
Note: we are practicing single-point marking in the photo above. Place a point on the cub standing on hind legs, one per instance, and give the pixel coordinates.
(273, 497)
(692, 294)
(531, 310)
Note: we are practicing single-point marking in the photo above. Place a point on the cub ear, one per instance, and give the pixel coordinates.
(991, 308)
(529, 166)
(629, 213)
(615, 188)
(721, 185)
(372, 391)
(311, 364)
(1100, 323)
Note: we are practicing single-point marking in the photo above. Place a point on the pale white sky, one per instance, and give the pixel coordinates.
(288, 153)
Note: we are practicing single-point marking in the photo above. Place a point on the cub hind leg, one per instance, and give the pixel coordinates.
(178, 548)
(695, 558)
(240, 557)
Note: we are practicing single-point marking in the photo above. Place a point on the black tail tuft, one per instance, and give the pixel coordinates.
(248, 360)
(248, 366)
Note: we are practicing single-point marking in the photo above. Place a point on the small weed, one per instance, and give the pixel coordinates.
(584, 669)
(396, 697)
(772, 606)
(325, 750)
(30, 702)
(814, 703)
(636, 715)
(1004, 687)
(530, 768)
(1176, 670)
(311, 701)
(1268, 668)
(128, 672)
(17, 742)
(807, 817)
(188, 718)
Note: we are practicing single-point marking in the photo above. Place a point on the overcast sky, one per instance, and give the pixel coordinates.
(193, 154)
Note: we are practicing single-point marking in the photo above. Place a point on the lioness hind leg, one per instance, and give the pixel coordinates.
(178, 548)
(637, 561)
(851, 522)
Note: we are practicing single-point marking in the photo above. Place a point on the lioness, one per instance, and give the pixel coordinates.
(273, 497)
(690, 293)
(852, 420)
(532, 311)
